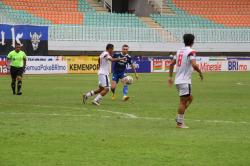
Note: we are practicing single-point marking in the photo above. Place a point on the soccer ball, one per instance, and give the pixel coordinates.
(129, 79)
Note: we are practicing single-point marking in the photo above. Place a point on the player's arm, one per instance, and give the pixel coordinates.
(9, 56)
(24, 62)
(134, 69)
(115, 59)
(171, 71)
(196, 68)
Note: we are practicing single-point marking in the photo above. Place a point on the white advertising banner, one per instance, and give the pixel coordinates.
(238, 65)
(212, 66)
(207, 64)
(46, 65)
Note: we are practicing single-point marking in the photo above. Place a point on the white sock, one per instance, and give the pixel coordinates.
(180, 118)
(91, 93)
(98, 98)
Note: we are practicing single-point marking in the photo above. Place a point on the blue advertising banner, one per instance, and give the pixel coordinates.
(140, 65)
(33, 39)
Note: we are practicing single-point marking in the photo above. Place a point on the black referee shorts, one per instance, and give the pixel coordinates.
(16, 71)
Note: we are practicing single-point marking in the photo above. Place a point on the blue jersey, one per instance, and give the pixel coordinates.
(120, 66)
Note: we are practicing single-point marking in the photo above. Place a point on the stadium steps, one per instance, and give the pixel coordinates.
(57, 11)
(165, 8)
(162, 32)
(96, 6)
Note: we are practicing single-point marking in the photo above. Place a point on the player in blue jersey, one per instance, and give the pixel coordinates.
(119, 70)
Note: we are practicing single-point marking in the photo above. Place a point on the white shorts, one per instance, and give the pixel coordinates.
(184, 89)
(103, 80)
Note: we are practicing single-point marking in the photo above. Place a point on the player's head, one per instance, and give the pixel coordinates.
(17, 47)
(110, 48)
(188, 39)
(125, 48)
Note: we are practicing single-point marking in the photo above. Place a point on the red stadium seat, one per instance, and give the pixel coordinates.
(56, 11)
(227, 12)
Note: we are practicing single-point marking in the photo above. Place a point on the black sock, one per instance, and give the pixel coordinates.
(19, 86)
(13, 86)
(113, 91)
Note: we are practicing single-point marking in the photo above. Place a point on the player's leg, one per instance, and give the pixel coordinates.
(184, 93)
(105, 84)
(181, 110)
(113, 86)
(115, 80)
(190, 99)
(19, 81)
(13, 74)
(91, 93)
(125, 89)
(99, 97)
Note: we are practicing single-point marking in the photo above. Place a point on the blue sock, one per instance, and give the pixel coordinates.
(125, 90)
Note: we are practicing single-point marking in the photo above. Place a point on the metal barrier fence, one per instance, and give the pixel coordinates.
(224, 35)
(158, 35)
(83, 33)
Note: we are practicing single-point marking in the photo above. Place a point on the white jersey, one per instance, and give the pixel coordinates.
(184, 67)
(105, 64)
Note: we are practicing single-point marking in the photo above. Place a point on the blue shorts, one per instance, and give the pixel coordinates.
(117, 76)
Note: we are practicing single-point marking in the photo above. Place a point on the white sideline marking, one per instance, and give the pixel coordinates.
(43, 114)
(52, 114)
(132, 116)
(239, 83)
(124, 115)
(83, 108)
(195, 120)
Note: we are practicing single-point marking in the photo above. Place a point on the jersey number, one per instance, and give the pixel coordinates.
(179, 60)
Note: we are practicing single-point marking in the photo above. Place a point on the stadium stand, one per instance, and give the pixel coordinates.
(227, 12)
(83, 6)
(79, 18)
(67, 12)
(85, 20)
(113, 20)
(206, 14)
(57, 11)
(182, 19)
(8, 15)
(206, 19)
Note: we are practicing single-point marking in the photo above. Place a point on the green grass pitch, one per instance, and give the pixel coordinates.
(50, 126)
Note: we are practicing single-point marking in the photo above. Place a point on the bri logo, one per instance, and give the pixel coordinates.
(235, 66)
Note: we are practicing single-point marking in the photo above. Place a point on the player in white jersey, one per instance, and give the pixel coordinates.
(105, 60)
(185, 60)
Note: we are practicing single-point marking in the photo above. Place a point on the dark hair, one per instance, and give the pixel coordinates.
(17, 44)
(188, 39)
(125, 45)
(109, 46)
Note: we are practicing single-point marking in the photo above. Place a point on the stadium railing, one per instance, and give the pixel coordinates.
(83, 33)
(216, 35)
(88, 33)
